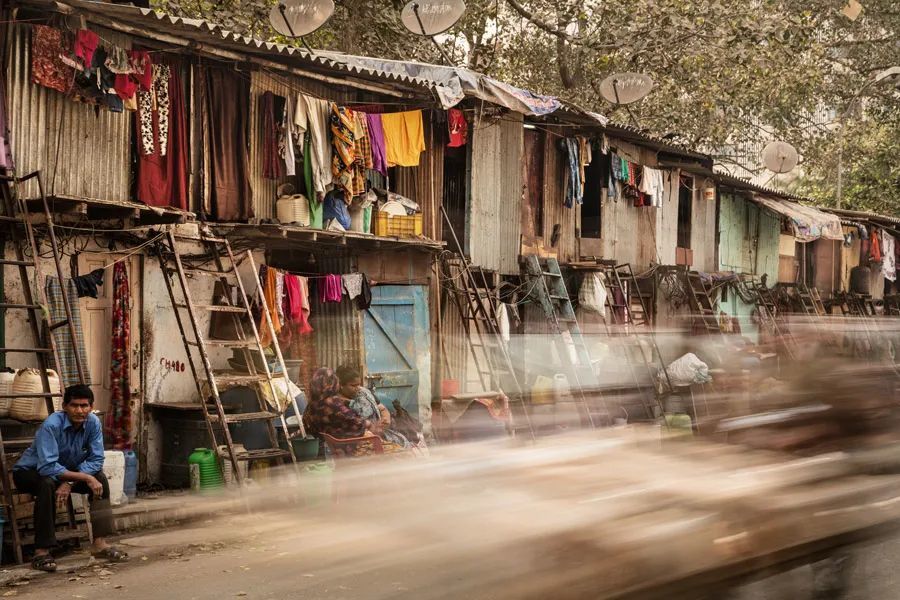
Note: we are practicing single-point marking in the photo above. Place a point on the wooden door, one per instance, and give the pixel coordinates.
(96, 318)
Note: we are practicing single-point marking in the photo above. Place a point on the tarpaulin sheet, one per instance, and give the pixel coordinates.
(808, 223)
(451, 84)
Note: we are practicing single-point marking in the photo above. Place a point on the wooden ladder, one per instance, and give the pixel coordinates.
(702, 304)
(217, 421)
(548, 289)
(621, 279)
(770, 315)
(478, 310)
(18, 230)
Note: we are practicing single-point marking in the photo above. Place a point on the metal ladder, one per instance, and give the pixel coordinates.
(217, 420)
(17, 229)
(479, 308)
(621, 278)
(549, 291)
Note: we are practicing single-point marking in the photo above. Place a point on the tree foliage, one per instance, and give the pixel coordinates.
(728, 73)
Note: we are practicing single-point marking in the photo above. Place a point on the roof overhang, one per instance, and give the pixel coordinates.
(808, 223)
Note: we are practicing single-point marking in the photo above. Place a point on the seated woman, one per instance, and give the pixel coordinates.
(327, 412)
(364, 404)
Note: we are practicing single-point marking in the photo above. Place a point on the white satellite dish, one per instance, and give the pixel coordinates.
(296, 18)
(625, 88)
(780, 157)
(431, 17)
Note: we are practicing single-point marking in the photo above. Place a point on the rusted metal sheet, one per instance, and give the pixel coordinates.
(82, 152)
(424, 183)
(337, 324)
(496, 193)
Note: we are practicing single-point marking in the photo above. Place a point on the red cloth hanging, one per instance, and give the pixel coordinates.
(162, 178)
(118, 419)
(457, 128)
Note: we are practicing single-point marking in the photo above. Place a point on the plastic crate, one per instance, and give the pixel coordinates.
(405, 227)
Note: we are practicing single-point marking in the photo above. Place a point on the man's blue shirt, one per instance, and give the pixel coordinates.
(58, 446)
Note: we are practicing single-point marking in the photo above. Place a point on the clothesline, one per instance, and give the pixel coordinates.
(309, 275)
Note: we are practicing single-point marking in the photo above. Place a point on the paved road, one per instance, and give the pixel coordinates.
(238, 559)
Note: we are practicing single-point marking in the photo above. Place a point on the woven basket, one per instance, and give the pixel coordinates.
(293, 209)
(28, 381)
(6, 379)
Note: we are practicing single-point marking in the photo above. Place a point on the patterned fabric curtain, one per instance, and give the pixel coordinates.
(118, 419)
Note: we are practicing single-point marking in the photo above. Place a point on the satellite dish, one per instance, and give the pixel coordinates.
(431, 17)
(296, 18)
(780, 157)
(625, 88)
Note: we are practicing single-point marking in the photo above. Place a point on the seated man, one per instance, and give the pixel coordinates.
(67, 456)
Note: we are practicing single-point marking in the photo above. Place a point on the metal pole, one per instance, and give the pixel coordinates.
(840, 161)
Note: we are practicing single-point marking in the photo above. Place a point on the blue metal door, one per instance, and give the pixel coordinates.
(397, 344)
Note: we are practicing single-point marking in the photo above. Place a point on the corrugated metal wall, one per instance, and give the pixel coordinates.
(740, 222)
(82, 152)
(555, 211)
(629, 234)
(338, 325)
(261, 81)
(264, 189)
(496, 193)
(424, 183)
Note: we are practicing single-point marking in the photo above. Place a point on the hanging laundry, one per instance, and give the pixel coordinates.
(457, 127)
(86, 42)
(363, 140)
(652, 184)
(118, 62)
(118, 418)
(345, 170)
(312, 119)
(142, 68)
(404, 138)
(269, 279)
(331, 288)
(47, 68)
(273, 164)
(228, 112)
(161, 125)
(303, 326)
(352, 284)
(888, 256)
(86, 285)
(286, 140)
(67, 349)
(364, 300)
(376, 138)
(584, 157)
(874, 246)
(279, 295)
(574, 191)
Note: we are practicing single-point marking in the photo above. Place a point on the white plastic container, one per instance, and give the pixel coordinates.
(6, 379)
(114, 468)
(228, 473)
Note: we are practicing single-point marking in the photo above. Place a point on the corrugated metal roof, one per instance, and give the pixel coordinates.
(450, 84)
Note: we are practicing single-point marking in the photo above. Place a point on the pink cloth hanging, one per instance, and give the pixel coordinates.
(331, 288)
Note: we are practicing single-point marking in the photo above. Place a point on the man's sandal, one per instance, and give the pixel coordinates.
(112, 554)
(44, 562)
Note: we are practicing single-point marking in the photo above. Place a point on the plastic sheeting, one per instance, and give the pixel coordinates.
(808, 223)
(451, 84)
